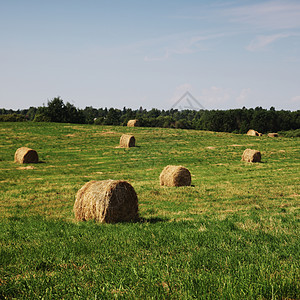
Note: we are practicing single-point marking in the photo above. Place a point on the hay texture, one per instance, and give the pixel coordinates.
(273, 134)
(107, 201)
(175, 176)
(250, 155)
(252, 132)
(133, 123)
(127, 141)
(26, 155)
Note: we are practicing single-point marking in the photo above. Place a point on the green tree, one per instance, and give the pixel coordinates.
(56, 110)
(113, 117)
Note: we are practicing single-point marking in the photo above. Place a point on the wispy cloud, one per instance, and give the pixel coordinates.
(271, 21)
(179, 91)
(243, 96)
(262, 41)
(180, 44)
(215, 96)
(165, 56)
(295, 99)
(272, 15)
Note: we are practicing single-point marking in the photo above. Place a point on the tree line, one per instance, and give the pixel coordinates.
(232, 120)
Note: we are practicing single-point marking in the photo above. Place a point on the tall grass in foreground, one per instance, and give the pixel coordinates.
(234, 234)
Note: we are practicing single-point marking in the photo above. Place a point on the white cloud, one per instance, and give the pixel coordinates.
(215, 96)
(292, 59)
(265, 16)
(184, 98)
(295, 99)
(260, 42)
(180, 44)
(243, 96)
(274, 15)
(157, 58)
(179, 91)
(194, 43)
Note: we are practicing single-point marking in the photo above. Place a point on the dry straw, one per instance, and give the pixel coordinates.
(26, 155)
(250, 155)
(253, 133)
(175, 176)
(133, 123)
(107, 201)
(273, 134)
(127, 141)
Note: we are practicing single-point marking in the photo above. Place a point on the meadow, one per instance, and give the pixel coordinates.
(233, 234)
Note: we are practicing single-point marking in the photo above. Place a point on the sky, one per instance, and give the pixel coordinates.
(116, 53)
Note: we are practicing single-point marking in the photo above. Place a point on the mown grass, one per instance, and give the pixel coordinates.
(234, 234)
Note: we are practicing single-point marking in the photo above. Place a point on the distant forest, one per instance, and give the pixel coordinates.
(232, 120)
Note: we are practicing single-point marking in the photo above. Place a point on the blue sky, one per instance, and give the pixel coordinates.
(227, 54)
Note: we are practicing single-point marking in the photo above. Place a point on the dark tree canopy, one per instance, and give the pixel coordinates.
(233, 120)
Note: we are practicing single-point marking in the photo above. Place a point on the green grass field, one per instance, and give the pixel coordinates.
(234, 234)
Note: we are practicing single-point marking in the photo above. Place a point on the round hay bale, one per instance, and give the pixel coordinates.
(175, 176)
(133, 123)
(260, 134)
(252, 132)
(107, 201)
(250, 155)
(26, 155)
(273, 134)
(127, 141)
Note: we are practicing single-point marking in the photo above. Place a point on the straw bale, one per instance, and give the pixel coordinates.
(107, 201)
(175, 176)
(127, 141)
(26, 155)
(252, 132)
(250, 155)
(273, 134)
(133, 123)
(26, 168)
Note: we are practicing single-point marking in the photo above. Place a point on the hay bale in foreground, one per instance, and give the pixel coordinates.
(127, 141)
(274, 134)
(175, 176)
(250, 155)
(133, 123)
(252, 132)
(26, 155)
(107, 201)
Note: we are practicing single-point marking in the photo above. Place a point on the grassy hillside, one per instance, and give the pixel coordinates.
(233, 234)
